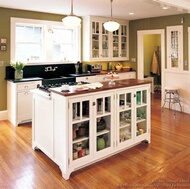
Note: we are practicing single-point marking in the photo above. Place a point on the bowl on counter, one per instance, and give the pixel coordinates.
(126, 69)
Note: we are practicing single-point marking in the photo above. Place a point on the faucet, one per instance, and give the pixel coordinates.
(50, 69)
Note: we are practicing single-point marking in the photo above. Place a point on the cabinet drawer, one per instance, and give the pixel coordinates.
(25, 86)
(89, 79)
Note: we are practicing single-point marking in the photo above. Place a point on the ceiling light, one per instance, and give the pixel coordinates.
(131, 13)
(165, 8)
(71, 21)
(111, 25)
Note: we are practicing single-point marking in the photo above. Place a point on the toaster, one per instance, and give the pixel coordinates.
(94, 68)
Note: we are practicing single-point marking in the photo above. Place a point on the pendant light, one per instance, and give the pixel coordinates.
(111, 25)
(71, 21)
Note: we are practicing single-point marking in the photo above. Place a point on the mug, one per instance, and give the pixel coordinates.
(72, 88)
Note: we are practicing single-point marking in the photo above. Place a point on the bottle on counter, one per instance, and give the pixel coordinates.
(109, 66)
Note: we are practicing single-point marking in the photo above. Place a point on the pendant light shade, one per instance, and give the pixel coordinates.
(111, 25)
(71, 21)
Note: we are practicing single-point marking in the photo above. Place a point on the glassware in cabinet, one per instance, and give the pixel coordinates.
(105, 42)
(95, 40)
(116, 43)
(123, 41)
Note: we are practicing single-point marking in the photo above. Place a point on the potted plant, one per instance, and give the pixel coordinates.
(18, 66)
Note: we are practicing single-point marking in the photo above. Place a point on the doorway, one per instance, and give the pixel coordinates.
(141, 35)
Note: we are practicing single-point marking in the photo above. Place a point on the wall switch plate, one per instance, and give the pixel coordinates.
(1, 63)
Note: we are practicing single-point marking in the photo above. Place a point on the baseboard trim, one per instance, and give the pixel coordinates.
(3, 115)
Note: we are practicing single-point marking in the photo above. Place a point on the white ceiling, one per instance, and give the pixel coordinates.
(121, 8)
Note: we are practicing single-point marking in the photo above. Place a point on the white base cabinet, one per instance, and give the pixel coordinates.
(124, 75)
(86, 128)
(19, 101)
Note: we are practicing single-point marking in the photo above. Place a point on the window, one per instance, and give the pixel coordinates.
(36, 41)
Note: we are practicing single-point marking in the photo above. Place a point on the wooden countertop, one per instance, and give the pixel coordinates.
(106, 86)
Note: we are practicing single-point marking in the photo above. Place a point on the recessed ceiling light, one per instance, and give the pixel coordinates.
(131, 13)
(165, 8)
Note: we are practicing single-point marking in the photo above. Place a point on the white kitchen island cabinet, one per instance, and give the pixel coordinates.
(85, 127)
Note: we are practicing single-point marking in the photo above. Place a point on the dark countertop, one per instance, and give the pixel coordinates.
(25, 79)
(106, 86)
(82, 74)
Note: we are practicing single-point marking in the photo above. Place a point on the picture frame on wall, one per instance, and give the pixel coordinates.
(3, 47)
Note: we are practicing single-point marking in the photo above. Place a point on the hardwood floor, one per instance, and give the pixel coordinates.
(164, 163)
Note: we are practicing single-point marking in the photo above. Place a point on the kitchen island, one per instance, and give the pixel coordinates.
(76, 129)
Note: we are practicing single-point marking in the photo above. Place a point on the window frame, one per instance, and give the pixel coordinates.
(46, 25)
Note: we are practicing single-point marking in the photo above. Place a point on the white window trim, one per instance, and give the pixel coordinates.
(46, 25)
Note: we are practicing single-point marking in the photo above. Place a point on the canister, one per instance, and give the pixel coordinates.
(75, 154)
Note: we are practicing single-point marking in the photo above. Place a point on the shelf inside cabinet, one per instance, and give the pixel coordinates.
(78, 120)
(80, 139)
(105, 131)
(124, 124)
(140, 120)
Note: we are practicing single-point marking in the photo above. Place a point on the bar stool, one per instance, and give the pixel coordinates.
(171, 97)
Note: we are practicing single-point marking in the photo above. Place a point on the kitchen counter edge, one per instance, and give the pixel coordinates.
(119, 84)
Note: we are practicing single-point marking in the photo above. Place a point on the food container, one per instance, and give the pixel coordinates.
(75, 154)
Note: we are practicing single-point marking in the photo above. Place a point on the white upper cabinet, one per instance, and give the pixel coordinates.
(175, 48)
(101, 45)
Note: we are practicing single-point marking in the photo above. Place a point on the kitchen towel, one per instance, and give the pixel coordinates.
(155, 65)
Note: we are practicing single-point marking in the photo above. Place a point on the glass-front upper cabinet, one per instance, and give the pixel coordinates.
(123, 44)
(102, 45)
(105, 43)
(115, 44)
(95, 40)
(175, 47)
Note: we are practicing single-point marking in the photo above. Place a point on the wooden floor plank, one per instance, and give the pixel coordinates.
(164, 163)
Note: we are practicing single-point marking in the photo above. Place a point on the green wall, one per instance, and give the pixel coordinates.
(157, 23)
(5, 15)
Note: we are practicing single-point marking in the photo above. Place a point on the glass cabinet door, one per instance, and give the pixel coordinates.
(105, 43)
(124, 120)
(95, 40)
(103, 123)
(141, 111)
(123, 44)
(175, 47)
(115, 45)
(81, 129)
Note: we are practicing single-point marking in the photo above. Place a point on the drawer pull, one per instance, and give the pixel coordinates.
(26, 87)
